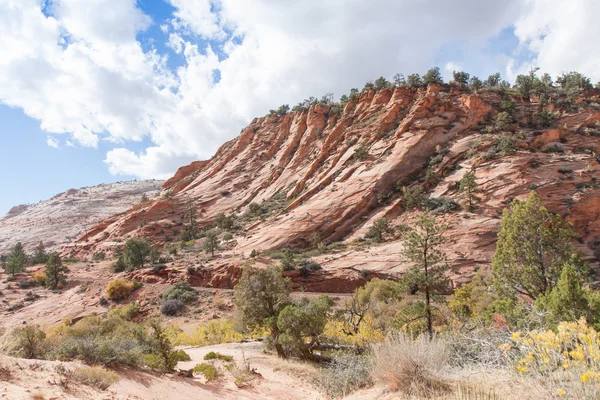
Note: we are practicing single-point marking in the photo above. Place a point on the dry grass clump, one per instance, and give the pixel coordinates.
(411, 366)
(97, 377)
(346, 374)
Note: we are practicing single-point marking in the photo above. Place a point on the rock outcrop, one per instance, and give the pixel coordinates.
(332, 173)
(66, 216)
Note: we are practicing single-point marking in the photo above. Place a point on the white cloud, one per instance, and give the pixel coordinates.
(562, 36)
(52, 142)
(199, 17)
(449, 69)
(81, 71)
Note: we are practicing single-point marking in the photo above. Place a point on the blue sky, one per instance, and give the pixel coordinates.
(89, 96)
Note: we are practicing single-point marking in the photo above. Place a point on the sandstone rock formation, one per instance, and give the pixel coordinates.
(64, 217)
(334, 173)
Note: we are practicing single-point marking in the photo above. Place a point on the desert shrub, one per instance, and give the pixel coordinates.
(255, 210)
(213, 332)
(361, 152)
(171, 307)
(346, 374)
(412, 197)
(118, 266)
(209, 371)
(568, 359)
(305, 267)
(27, 342)
(127, 312)
(181, 355)
(181, 291)
(442, 204)
(97, 377)
(411, 366)
(161, 356)
(479, 346)
(288, 260)
(225, 222)
(504, 122)
(25, 284)
(40, 277)
(99, 256)
(108, 349)
(217, 356)
(369, 312)
(119, 289)
(379, 229)
(136, 253)
(554, 148)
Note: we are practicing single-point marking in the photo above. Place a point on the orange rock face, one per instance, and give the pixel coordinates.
(340, 171)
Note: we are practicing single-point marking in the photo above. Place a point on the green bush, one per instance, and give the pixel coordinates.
(379, 229)
(181, 355)
(181, 291)
(225, 222)
(127, 312)
(412, 197)
(171, 307)
(361, 152)
(27, 342)
(442, 205)
(99, 256)
(504, 122)
(209, 371)
(217, 356)
(118, 266)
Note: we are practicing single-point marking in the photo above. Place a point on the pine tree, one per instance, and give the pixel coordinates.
(56, 272)
(211, 243)
(468, 186)
(136, 253)
(190, 230)
(423, 250)
(567, 301)
(39, 256)
(533, 246)
(16, 260)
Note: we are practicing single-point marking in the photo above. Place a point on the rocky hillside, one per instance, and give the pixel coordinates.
(64, 217)
(331, 172)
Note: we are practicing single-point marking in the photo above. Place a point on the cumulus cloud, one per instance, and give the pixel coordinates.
(80, 69)
(560, 37)
(52, 142)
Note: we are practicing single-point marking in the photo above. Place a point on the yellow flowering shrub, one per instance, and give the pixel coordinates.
(213, 332)
(571, 355)
(367, 333)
